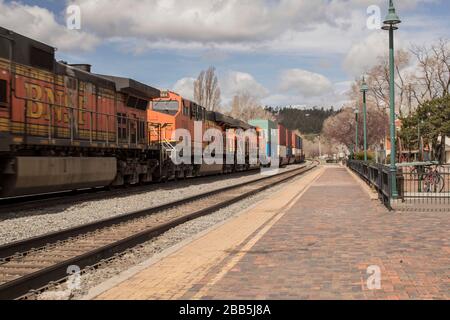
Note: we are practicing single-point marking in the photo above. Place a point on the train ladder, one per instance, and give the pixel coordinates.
(168, 148)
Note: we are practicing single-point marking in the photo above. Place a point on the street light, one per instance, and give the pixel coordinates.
(364, 89)
(390, 24)
(357, 131)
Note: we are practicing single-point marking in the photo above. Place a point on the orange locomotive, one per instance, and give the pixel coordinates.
(171, 112)
(62, 127)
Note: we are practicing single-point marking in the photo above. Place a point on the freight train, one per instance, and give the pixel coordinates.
(63, 127)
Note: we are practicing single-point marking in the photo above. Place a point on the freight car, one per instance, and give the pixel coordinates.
(283, 145)
(289, 147)
(268, 131)
(297, 148)
(62, 127)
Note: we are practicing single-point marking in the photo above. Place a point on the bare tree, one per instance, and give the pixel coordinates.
(207, 90)
(341, 128)
(247, 107)
(378, 79)
(315, 146)
(433, 78)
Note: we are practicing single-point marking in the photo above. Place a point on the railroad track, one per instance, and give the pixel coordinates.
(41, 201)
(34, 263)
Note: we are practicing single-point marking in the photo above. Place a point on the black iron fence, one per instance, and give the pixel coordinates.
(376, 175)
(424, 185)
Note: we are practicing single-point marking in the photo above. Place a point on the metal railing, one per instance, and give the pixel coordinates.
(424, 184)
(376, 175)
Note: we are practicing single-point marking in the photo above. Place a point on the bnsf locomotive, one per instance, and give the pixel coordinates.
(63, 127)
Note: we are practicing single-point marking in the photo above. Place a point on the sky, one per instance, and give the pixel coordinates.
(285, 52)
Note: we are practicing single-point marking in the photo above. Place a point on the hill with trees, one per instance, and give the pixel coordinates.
(307, 121)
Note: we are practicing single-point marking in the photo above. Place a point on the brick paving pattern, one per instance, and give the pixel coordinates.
(322, 247)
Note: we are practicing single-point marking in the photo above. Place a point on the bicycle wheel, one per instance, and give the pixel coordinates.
(439, 182)
(427, 184)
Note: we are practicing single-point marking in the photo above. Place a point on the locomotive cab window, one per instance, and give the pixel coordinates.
(167, 107)
(3, 93)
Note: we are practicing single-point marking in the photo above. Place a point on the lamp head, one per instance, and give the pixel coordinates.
(364, 86)
(392, 18)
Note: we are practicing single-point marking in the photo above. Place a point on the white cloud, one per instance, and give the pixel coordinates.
(319, 27)
(236, 82)
(364, 55)
(306, 83)
(40, 24)
(201, 20)
(233, 25)
(185, 87)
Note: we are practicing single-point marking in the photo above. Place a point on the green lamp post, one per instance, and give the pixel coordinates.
(357, 130)
(390, 24)
(364, 89)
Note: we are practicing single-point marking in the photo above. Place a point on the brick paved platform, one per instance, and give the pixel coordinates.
(314, 242)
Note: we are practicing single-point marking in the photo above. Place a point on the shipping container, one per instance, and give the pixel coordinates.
(289, 147)
(269, 129)
(282, 136)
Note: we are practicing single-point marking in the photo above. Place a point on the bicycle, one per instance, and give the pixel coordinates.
(430, 177)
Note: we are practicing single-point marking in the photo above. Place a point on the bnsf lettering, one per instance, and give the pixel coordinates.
(40, 98)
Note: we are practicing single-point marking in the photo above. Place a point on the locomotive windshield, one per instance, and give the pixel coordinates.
(168, 107)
